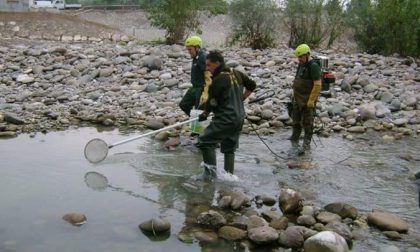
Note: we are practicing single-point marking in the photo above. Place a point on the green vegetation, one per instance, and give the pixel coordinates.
(386, 26)
(380, 26)
(255, 22)
(313, 21)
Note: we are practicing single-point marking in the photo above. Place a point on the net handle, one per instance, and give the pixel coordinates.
(152, 132)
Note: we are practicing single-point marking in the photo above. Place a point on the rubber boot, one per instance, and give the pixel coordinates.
(229, 162)
(209, 160)
(297, 130)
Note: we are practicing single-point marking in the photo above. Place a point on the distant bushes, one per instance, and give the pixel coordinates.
(255, 22)
(380, 26)
(386, 26)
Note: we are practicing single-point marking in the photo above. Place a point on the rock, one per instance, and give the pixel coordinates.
(24, 78)
(270, 215)
(326, 241)
(255, 221)
(308, 210)
(13, 118)
(279, 224)
(306, 220)
(292, 237)
(266, 200)
(238, 199)
(387, 221)
(172, 143)
(262, 235)
(290, 201)
(392, 235)
(162, 136)
(341, 229)
(357, 129)
(154, 124)
(342, 209)
(211, 218)
(156, 226)
(152, 62)
(389, 248)
(232, 233)
(206, 236)
(76, 219)
(327, 217)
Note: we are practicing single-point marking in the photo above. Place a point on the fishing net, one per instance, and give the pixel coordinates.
(96, 150)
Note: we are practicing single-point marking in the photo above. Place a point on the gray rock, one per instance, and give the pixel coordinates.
(345, 86)
(152, 62)
(211, 218)
(326, 241)
(232, 233)
(341, 229)
(262, 235)
(154, 124)
(270, 215)
(306, 220)
(156, 225)
(387, 221)
(13, 118)
(327, 217)
(292, 237)
(290, 201)
(392, 235)
(389, 248)
(342, 209)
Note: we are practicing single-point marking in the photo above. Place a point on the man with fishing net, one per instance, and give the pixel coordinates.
(227, 92)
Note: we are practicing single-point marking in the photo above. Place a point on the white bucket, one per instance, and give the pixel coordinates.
(196, 126)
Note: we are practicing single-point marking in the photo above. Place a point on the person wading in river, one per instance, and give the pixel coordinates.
(306, 88)
(200, 78)
(227, 92)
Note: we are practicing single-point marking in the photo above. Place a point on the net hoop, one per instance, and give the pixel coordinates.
(96, 150)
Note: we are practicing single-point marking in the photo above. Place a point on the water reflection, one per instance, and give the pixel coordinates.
(144, 180)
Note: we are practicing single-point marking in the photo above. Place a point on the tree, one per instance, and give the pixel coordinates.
(386, 26)
(176, 17)
(254, 22)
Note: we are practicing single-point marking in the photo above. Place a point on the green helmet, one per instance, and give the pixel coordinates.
(302, 50)
(193, 41)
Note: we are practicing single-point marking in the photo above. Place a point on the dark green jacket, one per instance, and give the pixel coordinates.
(309, 71)
(306, 74)
(198, 67)
(226, 96)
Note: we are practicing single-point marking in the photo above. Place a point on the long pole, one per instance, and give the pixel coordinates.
(153, 132)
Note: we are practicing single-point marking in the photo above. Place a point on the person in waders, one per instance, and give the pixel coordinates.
(306, 88)
(227, 92)
(200, 79)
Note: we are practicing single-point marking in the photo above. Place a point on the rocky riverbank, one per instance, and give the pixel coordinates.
(51, 86)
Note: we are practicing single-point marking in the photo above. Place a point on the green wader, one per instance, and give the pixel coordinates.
(191, 99)
(302, 116)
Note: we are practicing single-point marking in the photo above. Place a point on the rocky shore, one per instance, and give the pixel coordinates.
(51, 86)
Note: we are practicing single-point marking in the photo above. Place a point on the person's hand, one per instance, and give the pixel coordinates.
(202, 117)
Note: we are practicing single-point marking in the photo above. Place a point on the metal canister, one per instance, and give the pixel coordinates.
(324, 62)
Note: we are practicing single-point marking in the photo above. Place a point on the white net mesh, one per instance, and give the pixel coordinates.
(96, 150)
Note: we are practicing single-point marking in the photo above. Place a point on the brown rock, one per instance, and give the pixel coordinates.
(387, 221)
(232, 233)
(76, 219)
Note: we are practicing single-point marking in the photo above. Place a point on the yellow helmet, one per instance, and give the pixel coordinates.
(193, 41)
(302, 50)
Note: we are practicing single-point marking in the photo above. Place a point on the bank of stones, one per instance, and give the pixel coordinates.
(52, 86)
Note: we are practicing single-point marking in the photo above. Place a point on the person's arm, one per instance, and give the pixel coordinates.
(249, 85)
(316, 89)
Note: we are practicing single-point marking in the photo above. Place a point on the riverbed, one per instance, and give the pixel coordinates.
(42, 177)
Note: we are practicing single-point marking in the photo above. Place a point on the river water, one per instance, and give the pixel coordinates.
(43, 177)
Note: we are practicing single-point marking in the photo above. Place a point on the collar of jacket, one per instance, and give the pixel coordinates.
(221, 68)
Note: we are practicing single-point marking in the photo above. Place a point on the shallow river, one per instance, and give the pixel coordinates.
(43, 177)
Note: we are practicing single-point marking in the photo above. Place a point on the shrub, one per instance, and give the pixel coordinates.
(254, 22)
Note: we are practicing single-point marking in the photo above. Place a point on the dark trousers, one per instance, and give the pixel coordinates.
(191, 99)
(226, 135)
